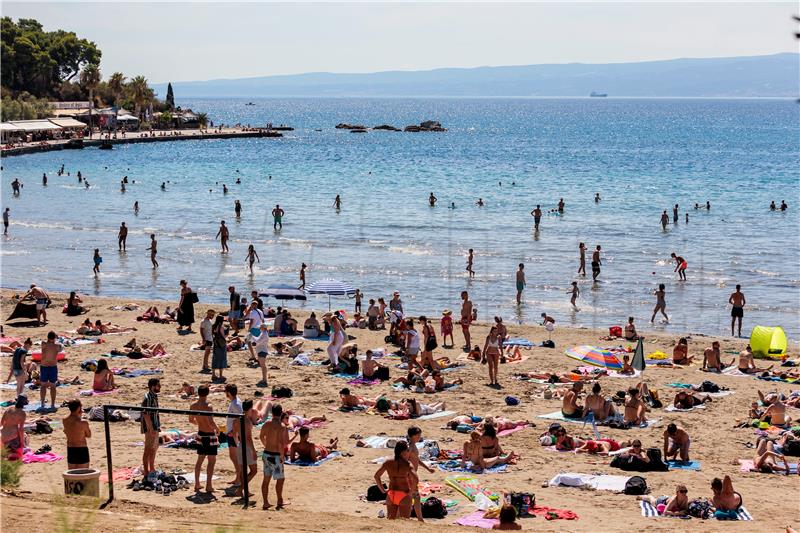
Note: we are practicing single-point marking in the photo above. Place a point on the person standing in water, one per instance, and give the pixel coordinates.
(432, 200)
(302, 276)
(680, 267)
(277, 217)
(661, 303)
(252, 257)
(537, 217)
(6, 214)
(223, 235)
(122, 237)
(153, 250)
(675, 214)
(664, 220)
(97, 260)
(582, 264)
(596, 263)
(237, 208)
(44, 179)
(597, 197)
(561, 206)
(520, 282)
(337, 203)
(575, 292)
(469, 263)
(738, 302)
(136, 207)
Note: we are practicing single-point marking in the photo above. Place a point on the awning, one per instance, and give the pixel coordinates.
(35, 125)
(8, 126)
(127, 118)
(67, 122)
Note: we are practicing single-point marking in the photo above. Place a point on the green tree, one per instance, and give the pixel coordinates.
(116, 84)
(202, 119)
(90, 79)
(140, 94)
(170, 96)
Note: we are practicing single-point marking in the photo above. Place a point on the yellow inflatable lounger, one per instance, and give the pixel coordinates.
(769, 342)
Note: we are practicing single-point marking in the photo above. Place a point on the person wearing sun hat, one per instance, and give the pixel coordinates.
(446, 325)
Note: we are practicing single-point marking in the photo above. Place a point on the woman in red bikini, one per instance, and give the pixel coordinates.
(398, 495)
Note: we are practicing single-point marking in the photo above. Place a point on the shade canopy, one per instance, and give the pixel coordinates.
(331, 287)
(67, 122)
(768, 341)
(283, 292)
(35, 125)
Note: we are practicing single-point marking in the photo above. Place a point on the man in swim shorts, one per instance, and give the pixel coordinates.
(42, 300)
(520, 282)
(466, 317)
(274, 437)
(680, 266)
(676, 442)
(77, 431)
(48, 369)
(207, 440)
(738, 302)
(277, 217)
(596, 262)
(569, 405)
(235, 311)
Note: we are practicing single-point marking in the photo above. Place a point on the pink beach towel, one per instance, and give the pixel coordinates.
(121, 474)
(510, 431)
(48, 457)
(476, 519)
(90, 392)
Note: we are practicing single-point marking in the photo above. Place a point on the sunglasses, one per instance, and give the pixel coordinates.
(636, 446)
(683, 491)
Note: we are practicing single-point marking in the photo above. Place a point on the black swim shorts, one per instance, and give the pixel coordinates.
(207, 443)
(77, 455)
(737, 312)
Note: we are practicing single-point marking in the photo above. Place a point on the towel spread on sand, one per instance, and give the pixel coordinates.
(382, 441)
(557, 415)
(121, 474)
(455, 466)
(469, 486)
(672, 409)
(680, 465)
(602, 482)
(511, 430)
(650, 512)
(48, 457)
(746, 465)
(319, 461)
(440, 414)
(476, 519)
(91, 392)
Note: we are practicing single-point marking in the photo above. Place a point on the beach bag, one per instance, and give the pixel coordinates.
(511, 400)
(375, 494)
(700, 508)
(548, 344)
(629, 463)
(382, 373)
(656, 462)
(433, 507)
(636, 486)
(709, 386)
(615, 331)
(281, 392)
(792, 448)
(523, 502)
(193, 298)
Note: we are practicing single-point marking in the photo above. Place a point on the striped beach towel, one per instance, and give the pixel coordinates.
(649, 511)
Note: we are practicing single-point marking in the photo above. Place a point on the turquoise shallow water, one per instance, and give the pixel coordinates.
(642, 156)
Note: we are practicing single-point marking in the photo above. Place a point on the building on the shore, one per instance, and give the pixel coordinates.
(20, 131)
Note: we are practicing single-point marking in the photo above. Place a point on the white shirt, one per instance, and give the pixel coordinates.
(206, 330)
(235, 407)
(414, 339)
(261, 343)
(256, 318)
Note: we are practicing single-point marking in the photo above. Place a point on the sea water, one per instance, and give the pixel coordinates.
(641, 155)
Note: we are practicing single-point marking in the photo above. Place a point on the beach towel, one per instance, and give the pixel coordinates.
(649, 511)
(520, 360)
(518, 341)
(672, 409)
(426, 488)
(189, 476)
(578, 480)
(362, 381)
(130, 373)
(90, 392)
(121, 474)
(455, 466)
(506, 432)
(343, 409)
(37, 407)
(8, 340)
(319, 462)
(557, 415)
(735, 372)
(746, 465)
(550, 513)
(49, 457)
(680, 465)
(469, 486)
(476, 519)
(381, 441)
(440, 414)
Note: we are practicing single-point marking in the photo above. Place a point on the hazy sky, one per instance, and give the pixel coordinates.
(198, 40)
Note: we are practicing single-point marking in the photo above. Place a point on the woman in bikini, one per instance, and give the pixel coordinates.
(766, 458)
(428, 344)
(600, 446)
(252, 257)
(491, 355)
(103, 377)
(400, 471)
(680, 354)
(414, 437)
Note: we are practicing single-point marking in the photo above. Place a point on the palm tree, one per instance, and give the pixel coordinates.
(116, 83)
(141, 94)
(90, 79)
(202, 120)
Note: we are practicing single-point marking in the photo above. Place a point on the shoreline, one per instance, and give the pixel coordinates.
(714, 440)
(183, 135)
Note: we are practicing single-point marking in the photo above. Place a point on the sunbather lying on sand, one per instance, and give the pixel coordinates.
(765, 459)
(144, 350)
(552, 377)
(108, 327)
(677, 505)
(305, 450)
(411, 408)
(153, 315)
(351, 400)
(288, 348)
(601, 446)
(297, 421)
(688, 399)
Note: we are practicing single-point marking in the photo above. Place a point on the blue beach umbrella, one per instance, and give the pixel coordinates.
(331, 287)
(283, 292)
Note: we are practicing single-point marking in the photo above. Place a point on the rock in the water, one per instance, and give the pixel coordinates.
(428, 125)
(387, 127)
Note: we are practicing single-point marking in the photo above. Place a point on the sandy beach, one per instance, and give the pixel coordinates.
(327, 497)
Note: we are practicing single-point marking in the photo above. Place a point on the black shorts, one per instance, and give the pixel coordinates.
(207, 443)
(595, 266)
(208, 344)
(77, 455)
(737, 312)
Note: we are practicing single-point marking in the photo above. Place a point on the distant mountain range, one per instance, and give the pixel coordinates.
(771, 75)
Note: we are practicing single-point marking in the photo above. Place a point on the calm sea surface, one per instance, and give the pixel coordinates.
(642, 156)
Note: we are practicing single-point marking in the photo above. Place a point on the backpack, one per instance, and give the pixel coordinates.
(656, 462)
(523, 502)
(548, 344)
(433, 507)
(636, 486)
(374, 494)
(382, 373)
(700, 508)
(629, 463)
(709, 386)
(281, 392)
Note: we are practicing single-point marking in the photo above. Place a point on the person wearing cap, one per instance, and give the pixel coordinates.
(260, 348)
(12, 426)
(446, 325)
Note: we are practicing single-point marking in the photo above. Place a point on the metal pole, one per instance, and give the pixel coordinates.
(108, 457)
(245, 476)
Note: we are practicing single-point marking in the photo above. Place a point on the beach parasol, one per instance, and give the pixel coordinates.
(283, 292)
(638, 362)
(592, 355)
(331, 287)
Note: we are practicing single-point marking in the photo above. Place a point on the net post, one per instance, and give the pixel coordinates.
(109, 461)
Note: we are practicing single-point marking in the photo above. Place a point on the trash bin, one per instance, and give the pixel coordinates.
(82, 482)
